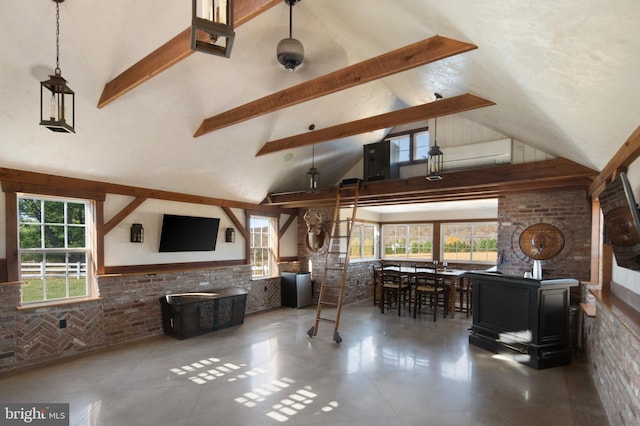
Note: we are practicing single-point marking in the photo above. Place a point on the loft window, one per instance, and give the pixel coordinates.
(413, 146)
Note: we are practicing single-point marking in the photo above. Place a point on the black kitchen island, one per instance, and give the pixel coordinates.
(526, 319)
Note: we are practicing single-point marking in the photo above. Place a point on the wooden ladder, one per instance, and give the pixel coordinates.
(336, 263)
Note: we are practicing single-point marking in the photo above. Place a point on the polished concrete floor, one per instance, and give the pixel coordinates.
(388, 370)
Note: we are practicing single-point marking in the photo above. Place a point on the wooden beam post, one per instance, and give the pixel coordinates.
(447, 106)
(172, 52)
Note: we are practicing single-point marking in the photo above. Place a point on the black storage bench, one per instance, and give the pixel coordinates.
(190, 314)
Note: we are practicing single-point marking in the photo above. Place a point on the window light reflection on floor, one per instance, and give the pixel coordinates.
(214, 371)
(207, 370)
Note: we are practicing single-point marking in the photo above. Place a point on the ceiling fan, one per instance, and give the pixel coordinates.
(290, 51)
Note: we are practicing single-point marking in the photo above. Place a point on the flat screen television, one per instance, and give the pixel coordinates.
(188, 233)
(622, 222)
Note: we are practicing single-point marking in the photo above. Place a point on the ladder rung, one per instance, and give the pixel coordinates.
(326, 320)
(332, 286)
(329, 303)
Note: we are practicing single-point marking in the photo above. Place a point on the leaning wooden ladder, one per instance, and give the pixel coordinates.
(336, 263)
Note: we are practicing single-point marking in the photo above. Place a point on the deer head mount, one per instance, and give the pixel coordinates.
(316, 231)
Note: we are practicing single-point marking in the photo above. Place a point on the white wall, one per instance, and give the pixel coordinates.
(118, 251)
(289, 241)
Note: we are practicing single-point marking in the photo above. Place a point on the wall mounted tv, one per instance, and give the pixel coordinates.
(622, 222)
(188, 233)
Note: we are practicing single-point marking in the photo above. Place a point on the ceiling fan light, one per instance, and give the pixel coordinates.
(290, 53)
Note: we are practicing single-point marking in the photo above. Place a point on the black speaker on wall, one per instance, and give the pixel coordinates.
(381, 161)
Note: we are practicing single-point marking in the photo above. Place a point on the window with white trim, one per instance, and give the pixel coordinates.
(54, 248)
(263, 250)
(408, 241)
(363, 241)
(470, 242)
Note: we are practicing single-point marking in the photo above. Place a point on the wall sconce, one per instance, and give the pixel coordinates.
(137, 233)
(212, 26)
(230, 235)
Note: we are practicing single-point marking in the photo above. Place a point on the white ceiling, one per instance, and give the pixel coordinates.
(563, 75)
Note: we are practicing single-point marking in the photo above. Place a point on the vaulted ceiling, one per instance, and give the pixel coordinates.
(557, 76)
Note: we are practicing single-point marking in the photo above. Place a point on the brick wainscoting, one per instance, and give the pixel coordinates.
(611, 341)
(128, 309)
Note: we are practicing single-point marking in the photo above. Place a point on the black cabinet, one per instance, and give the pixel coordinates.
(381, 161)
(190, 314)
(525, 318)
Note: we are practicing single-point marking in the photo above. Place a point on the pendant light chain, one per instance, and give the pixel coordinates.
(58, 72)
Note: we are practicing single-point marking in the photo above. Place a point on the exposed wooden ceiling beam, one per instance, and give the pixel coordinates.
(405, 58)
(172, 52)
(40, 183)
(486, 182)
(447, 106)
(627, 154)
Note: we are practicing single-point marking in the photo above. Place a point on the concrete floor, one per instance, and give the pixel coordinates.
(388, 370)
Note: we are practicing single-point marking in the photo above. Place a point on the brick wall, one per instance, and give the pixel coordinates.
(128, 309)
(613, 351)
(569, 211)
(9, 299)
(359, 283)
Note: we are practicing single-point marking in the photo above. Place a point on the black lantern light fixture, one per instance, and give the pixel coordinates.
(230, 235)
(312, 174)
(212, 26)
(56, 98)
(137, 233)
(290, 51)
(435, 162)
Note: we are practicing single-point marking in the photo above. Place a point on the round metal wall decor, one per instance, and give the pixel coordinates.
(541, 241)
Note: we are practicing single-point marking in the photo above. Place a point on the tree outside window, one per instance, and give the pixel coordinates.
(363, 241)
(263, 246)
(406, 242)
(470, 242)
(53, 248)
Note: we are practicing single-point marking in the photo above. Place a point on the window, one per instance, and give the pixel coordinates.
(404, 147)
(422, 144)
(413, 146)
(363, 241)
(54, 248)
(263, 246)
(470, 242)
(408, 241)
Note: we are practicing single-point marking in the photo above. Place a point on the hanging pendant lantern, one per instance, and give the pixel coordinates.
(435, 162)
(57, 100)
(312, 174)
(212, 26)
